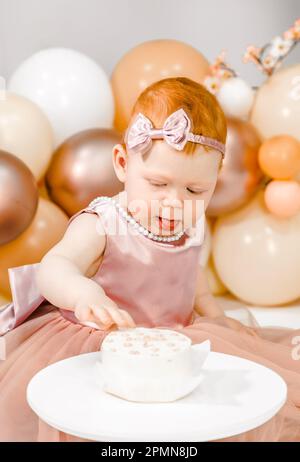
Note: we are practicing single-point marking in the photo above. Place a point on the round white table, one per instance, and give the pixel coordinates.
(235, 395)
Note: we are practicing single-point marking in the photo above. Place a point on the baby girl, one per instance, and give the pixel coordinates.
(134, 260)
(168, 184)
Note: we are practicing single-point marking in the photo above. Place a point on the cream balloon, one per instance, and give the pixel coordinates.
(257, 255)
(71, 88)
(276, 108)
(26, 132)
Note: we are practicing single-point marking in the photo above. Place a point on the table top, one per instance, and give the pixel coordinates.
(286, 316)
(235, 395)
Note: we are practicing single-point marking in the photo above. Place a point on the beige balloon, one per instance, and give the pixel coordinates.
(147, 63)
(276, 108)
(257, 255)
(26, 132)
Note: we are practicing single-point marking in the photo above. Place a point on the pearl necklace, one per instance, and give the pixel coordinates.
(141, 229)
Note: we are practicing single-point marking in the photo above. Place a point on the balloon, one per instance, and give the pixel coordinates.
(236, 98)
(257, 256)
(43, 191)
(276, 108)
(147, 63)
(279, 157)
(282, 198)
(46, 229)
(71, 88)
(240, 175)
(25, 132)
(82, 169)
(18, 197)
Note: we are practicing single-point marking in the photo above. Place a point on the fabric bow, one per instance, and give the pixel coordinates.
(175, 131)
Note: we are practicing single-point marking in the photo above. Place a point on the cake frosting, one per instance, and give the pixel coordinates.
(144, 341)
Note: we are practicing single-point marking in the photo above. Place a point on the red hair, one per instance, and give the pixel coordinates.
(165, 96)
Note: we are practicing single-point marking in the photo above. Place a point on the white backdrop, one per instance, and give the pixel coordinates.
(106, 29)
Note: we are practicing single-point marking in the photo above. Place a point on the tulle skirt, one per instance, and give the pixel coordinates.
(47, 337)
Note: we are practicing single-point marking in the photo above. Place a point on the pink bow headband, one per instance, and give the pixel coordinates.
(176, 132)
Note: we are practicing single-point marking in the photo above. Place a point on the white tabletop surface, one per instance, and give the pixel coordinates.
(286, 316)
(235, 395)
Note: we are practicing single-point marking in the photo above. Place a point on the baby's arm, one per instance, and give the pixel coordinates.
(61, 275)
(206, 305)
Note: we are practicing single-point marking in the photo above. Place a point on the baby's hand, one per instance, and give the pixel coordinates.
(105, 314)
(235, 325)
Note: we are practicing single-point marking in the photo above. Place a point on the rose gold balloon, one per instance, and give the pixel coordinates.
(147, 63)
(240, 174)
(18, 197)
(282, 198)
(82, 169)
(279, 157)
(46, 229)
(276, 108)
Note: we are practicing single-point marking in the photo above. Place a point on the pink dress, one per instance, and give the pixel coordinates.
(155, 282)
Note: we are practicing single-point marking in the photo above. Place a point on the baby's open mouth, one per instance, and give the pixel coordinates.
(167, 224)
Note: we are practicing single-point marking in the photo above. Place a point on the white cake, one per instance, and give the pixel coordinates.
(148, 364)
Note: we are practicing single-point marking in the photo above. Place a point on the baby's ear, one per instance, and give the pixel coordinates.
(120, 159)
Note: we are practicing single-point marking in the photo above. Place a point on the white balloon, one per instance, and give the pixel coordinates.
(236, 98)
(72, 90)
(257, 255)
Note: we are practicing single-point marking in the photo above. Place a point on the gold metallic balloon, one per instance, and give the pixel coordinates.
(240, 175)
(47, 228)
(147, 63)
(82, 169)
(18, 197)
